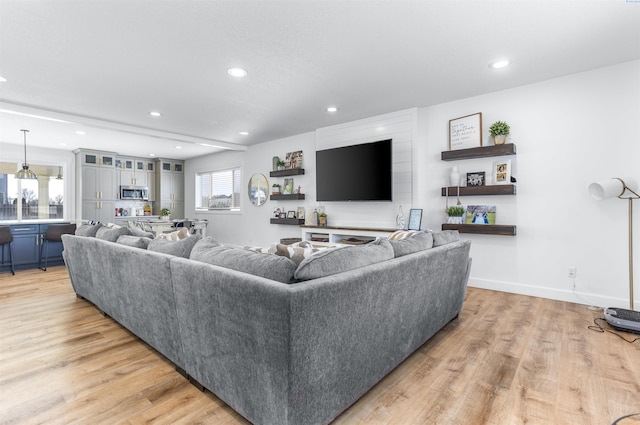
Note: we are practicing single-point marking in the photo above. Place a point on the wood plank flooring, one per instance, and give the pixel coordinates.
(508, 359)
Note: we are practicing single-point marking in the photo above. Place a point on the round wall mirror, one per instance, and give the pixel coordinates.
(258, 189)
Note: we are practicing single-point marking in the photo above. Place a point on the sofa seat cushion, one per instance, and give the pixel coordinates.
(179, 248)
(416, 242)
(88, 230)
(111, 234)
(333, 261)
(269, 266)
(134, 241)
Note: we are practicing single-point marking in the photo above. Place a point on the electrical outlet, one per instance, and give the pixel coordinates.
(571, 272)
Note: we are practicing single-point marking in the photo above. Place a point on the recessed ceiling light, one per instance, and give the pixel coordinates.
(244, 133)
(332, 109)
(237, 72)
(178, 147)
(2, 79)
(155, 114)
(62, 144)
(152, 154)
(81, 133)
(499, 64)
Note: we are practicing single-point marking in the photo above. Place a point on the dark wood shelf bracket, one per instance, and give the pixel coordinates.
(483, 152)
(483, 229)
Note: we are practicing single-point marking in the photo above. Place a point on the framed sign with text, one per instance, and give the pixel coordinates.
(465, 132)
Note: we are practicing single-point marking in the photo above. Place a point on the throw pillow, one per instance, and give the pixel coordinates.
(296, 252)
(179, 248)
(174, 236)
(402, 234)
(445, 237)
(419, 241)
(136, 231)
(134, 241)
(269, 266)
(333, 261)
(88, 230)
(111, 235)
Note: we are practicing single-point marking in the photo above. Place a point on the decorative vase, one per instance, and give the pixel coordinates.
(454, 177)
(322, 221)
(454, 220)
(499, 139)
(274, 163)
(164, 218)
(400, 219)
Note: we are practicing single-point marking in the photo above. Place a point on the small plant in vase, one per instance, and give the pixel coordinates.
(165, 213)
(280, 165)
(275, 189)
(455, 215)
(322, 219)
(499, 130)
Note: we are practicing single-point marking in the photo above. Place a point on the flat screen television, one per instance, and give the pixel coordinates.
(355, 173)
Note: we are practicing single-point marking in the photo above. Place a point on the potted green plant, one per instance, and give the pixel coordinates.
(280, 164)
(275, 189)
(322, 219)
(499, 130)
(165, 213)
(455, 215)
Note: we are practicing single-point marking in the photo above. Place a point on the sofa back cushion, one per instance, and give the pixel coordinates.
(269, 266)
(112, 234)
(136, 231)
(179, 248)
(416, 242)
(444, 237)
(333, 261)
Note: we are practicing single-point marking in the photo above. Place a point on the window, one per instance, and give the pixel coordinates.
(218, 190)
(41, 199)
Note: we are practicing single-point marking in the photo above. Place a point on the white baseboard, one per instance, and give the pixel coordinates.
(550, 293)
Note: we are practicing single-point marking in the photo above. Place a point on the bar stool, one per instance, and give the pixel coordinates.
(6, 238)
(54, 234)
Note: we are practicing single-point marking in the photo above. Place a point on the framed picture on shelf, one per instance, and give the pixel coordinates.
(476, 178)
(283, 215)
(465, 132)
(300, 213)
(293, 160)
(502, 171)
(287, 189)
(481, 214)
(415, 219)
(276, 212)
(291, 214)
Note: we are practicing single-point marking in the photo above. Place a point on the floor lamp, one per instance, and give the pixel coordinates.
(626, 188)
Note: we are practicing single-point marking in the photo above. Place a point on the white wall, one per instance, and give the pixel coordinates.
(569, 132)
(251, 226)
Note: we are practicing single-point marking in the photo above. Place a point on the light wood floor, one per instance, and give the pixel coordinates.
(508, 359)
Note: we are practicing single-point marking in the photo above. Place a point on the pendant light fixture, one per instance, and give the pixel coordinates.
(59, 177)
(25, 172)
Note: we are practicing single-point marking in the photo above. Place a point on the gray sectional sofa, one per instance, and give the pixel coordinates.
(280, 353)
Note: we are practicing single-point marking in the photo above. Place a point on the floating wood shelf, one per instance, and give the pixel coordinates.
(289, 221)
(498, 189)
(293, 197)
(482, 229)
(484, 152)
(284, 173)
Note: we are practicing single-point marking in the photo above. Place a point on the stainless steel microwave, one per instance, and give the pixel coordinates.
(134, 193)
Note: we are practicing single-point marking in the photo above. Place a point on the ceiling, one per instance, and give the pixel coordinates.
(101, 66)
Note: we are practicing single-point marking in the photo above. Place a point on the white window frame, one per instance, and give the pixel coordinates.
(236, 197)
